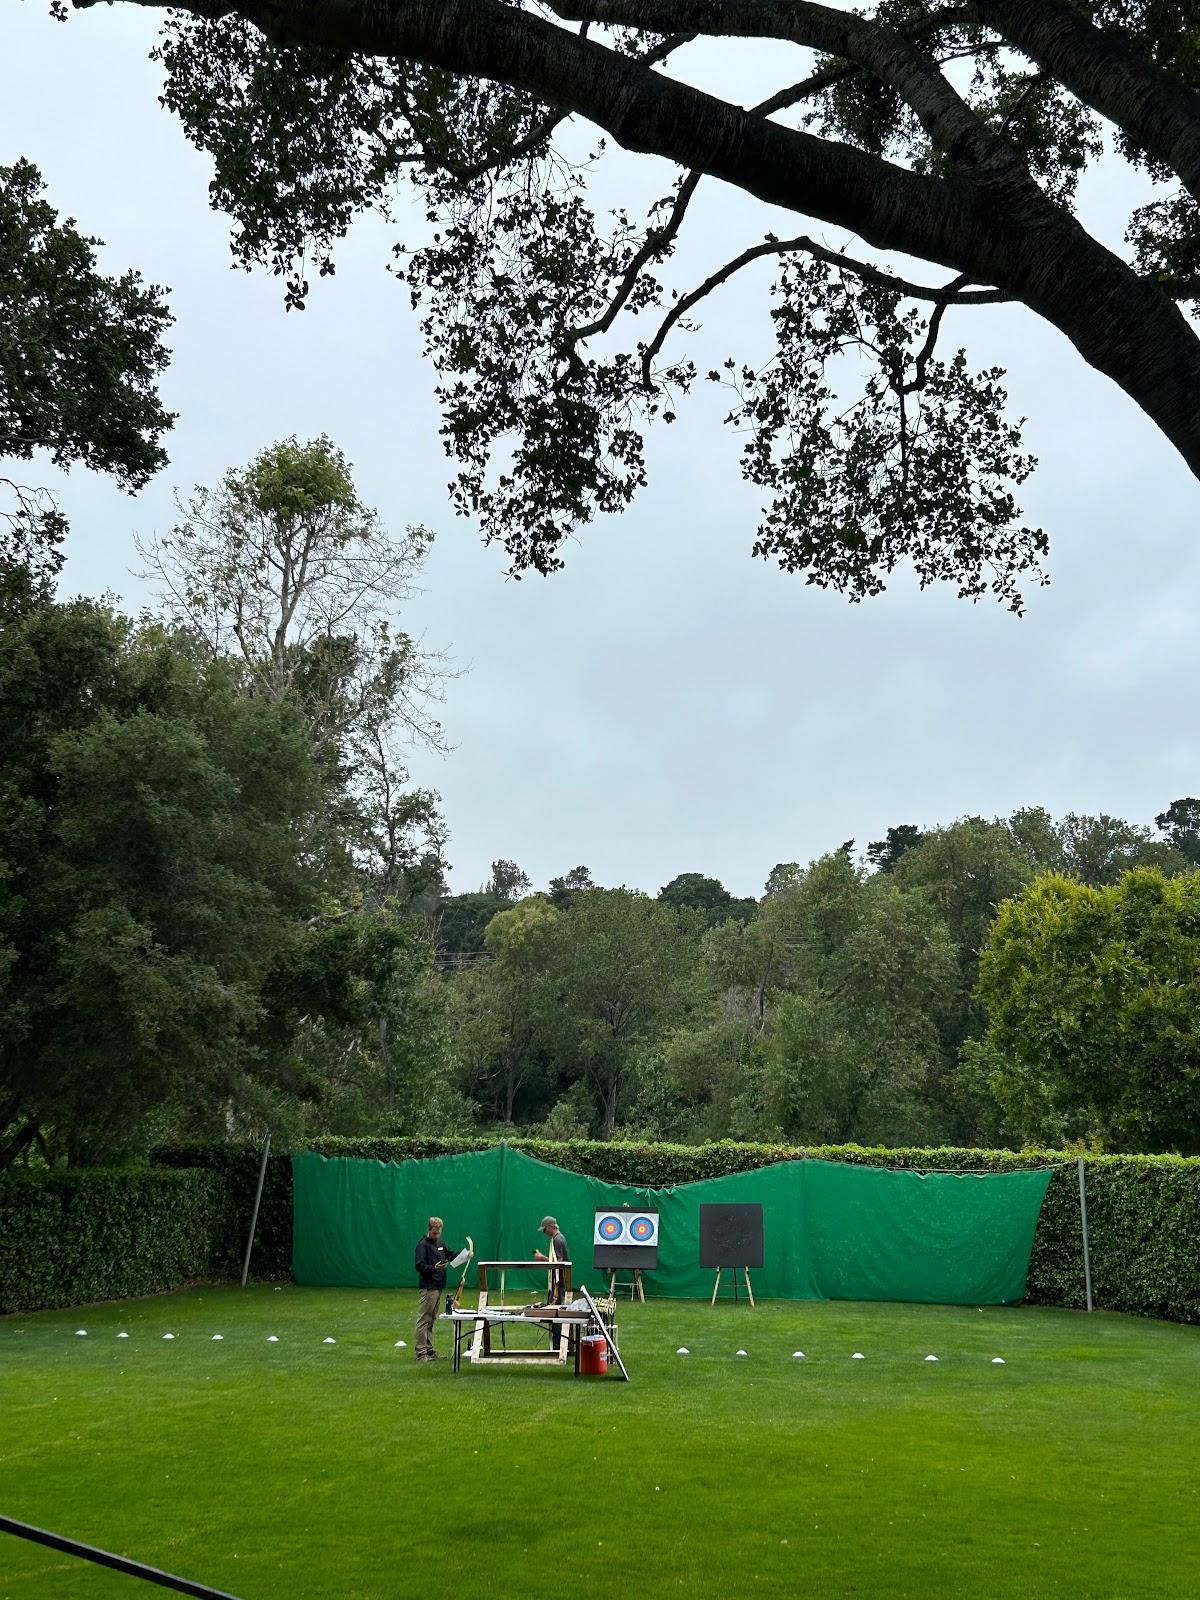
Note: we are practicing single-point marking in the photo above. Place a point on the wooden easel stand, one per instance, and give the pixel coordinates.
(745, 1271)
(639, 1292)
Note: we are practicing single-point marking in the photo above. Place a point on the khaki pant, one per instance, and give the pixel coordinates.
(427, 1310)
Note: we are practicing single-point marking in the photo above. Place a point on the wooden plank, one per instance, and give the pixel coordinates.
(477, 1341)
(534, 1358)
(534, 1266)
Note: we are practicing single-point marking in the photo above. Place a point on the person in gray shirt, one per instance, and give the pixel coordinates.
(559, 1251)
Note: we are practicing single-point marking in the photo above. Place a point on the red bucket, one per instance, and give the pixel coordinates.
(593, 1356)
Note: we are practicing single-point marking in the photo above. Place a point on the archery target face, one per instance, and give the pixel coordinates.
(626, 1228)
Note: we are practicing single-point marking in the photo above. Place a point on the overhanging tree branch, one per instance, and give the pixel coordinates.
(884, 52)
(1150, 105)
(951, 294)
(986, 220)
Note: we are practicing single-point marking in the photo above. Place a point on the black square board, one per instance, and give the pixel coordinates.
(731, 1236)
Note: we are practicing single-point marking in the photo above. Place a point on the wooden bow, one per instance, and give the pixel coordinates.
(463, 1279)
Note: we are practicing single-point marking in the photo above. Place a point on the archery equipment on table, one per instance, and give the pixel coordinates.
(561, 1322)
(582, 1315)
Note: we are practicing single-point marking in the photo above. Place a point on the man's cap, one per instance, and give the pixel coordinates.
(546, 1222)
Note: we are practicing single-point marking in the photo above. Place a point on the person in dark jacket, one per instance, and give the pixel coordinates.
(430, 1261)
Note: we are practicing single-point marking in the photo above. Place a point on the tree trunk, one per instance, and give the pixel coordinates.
(608, 1107)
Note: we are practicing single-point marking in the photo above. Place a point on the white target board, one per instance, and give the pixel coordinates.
(626, 1228)
(625, 1236)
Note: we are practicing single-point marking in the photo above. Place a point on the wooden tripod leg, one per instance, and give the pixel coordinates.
(612, 1283)
(639, 1286)
(716, 1286)
(749, 1290)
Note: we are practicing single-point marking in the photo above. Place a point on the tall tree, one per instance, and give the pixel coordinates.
(947, 135)
(1095, 994)
(170, 939)
(781, 876)
(1180, 826)
(520, 943)
(283, 566)
(884, 854)
(965, 871)
(1039, 839)
(80, 358)
(563, 889)
(507, 881)
(1097, 850)
(861, 973)
(460, 921)
(157, 859)
(695, 890)
(620, 969)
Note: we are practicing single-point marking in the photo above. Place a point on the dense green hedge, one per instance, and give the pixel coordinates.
(237, 1165)
(1143, 1211)
(67, 1238)
(71, 1237)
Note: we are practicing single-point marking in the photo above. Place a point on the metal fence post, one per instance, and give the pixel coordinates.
(262, 1173)
(1087, 1255)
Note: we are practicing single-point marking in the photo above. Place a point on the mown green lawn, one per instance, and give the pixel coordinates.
(299, 1470)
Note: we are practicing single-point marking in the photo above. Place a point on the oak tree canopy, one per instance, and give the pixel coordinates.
(953, 135)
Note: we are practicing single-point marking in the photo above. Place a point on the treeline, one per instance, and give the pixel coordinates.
(223, 906)
(989, 983)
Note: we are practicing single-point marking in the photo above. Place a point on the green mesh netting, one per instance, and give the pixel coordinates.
(832, 1231)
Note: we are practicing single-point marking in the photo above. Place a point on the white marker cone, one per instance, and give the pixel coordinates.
(328, 1341)
(218, 1335)
(168, 1335)
(858, 1356)
(81, 1333)
(740, 1352)
(400, 1345)
(931, 1358)
(997, 1361)
(272, 1338)
(683, 1351)
(122, 1336)
(797, 1355)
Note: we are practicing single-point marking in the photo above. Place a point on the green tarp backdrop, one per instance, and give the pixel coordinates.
(832, 1231)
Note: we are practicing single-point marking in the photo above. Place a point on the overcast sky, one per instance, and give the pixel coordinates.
(667, 704)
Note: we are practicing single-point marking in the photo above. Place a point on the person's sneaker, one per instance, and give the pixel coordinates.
(424, 1358)
(433, 1356)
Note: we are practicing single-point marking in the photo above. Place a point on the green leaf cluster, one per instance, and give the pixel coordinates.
(80, 358)
(1096, 993)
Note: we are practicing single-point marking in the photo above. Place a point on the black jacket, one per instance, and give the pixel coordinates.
(431, 1262)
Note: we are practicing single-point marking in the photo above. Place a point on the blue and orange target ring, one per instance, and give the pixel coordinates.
(641, 1229)
(611, 1229)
